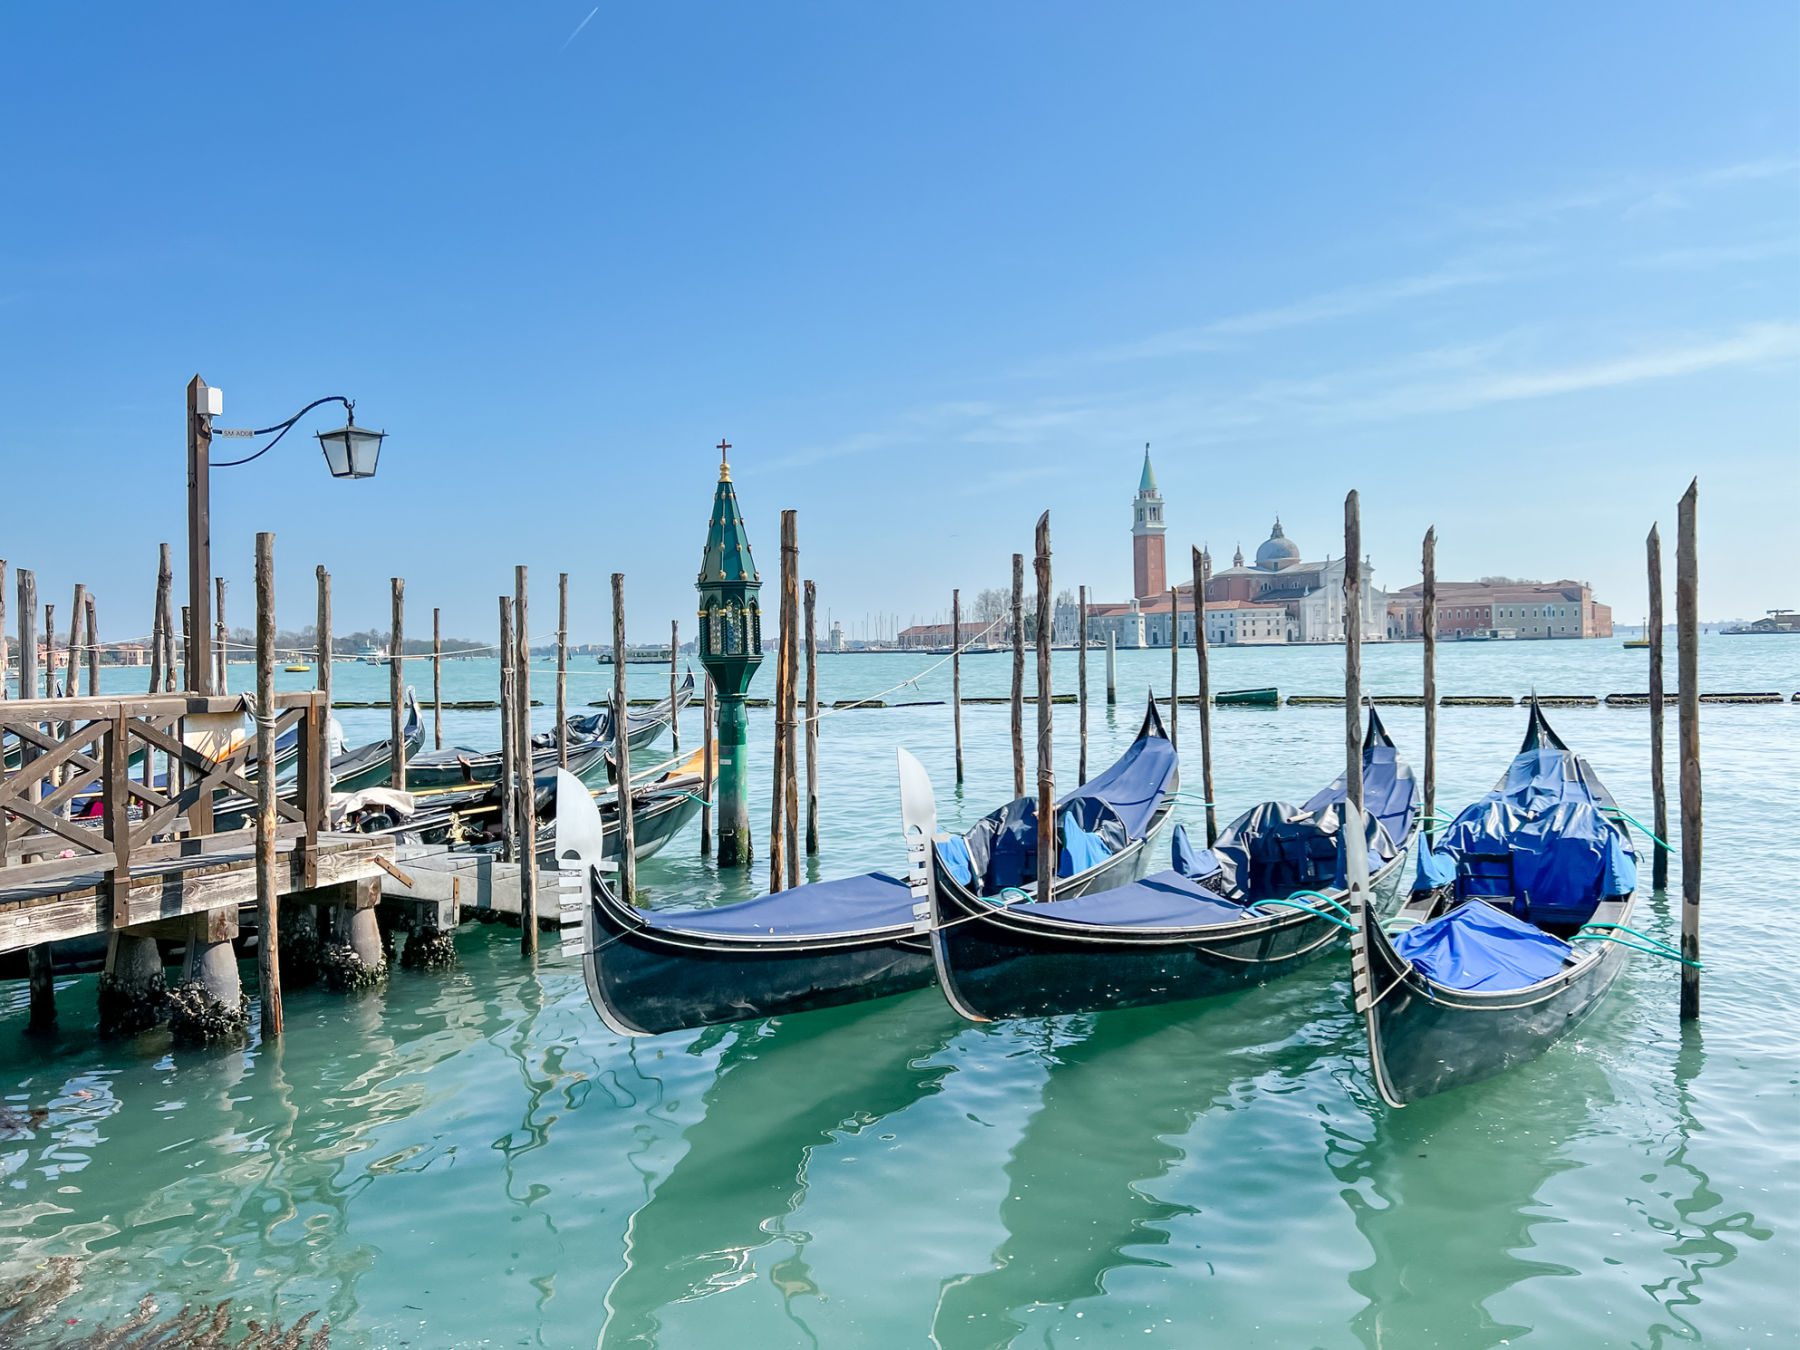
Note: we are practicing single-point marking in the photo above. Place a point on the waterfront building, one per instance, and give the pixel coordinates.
(1504, 609)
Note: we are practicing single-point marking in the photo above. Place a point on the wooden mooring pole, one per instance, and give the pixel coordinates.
(220, 638)
(525, 795)
(812, 723)
(790, 615)
(1174, 664)
(49, 652)
(627, 833)
(93, 647)
(562, 670)
(437, 678)
(1112, 668)
(509, 784)
(191, 675)
(956, 679)
(1428, 632)
(397, 685)
(1353, 733)
(268, 901)
(709, 750)
(5, 659)
(1018, 674)
(1659, 797)
(674, 656)
(78, 616)
(322, 640)
(1081, 684)
(165, 590)
(1687, 648)
(38, 962)
(1203, 675)
(1046, 776)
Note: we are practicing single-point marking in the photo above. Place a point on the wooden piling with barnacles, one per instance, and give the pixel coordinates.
(268, 916)
(509, 786)
(1353, 733)
(812, 723)
(709, 750)
(627, 833)
(1018, 674)
(956, 679)
(674, 712)
(1659, 797)
(1081, 688)
(1687, 656)
(437, 678)
(525, 795)
(1174, 664)
(397, 685)
(1428, 631)
(1046, 776)
(1203, 674)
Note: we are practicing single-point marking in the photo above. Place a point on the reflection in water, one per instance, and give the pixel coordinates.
(783, 1088)
(1121, 1091)
(1446, 1192)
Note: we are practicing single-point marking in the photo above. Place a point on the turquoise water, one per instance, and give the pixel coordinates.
(472, 1159)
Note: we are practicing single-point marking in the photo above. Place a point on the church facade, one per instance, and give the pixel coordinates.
(1278, 598)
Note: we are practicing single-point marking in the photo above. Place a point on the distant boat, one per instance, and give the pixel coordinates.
(298, 668)
(1248, 698)
(1638, 643)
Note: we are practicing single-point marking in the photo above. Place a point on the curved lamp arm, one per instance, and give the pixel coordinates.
(282, 428)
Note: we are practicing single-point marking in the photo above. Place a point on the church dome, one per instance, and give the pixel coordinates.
(1277, 551)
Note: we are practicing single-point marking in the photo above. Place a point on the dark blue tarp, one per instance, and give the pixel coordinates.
(1476, 946)
(848, 905)
(1166, 900)
(1388, 791)
(1135, 786)
(1552, 864)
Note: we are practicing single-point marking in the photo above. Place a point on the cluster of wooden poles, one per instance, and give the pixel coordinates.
(784, 810)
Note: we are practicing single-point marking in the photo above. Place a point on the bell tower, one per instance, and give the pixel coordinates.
(1149, 574)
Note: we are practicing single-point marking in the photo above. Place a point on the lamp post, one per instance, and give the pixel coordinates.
(350, 452)
(730, 643)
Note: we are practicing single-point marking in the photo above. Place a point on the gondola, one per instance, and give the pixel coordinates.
(1264, 900)
(1502, 947)
(367, 765)
(642, 725)
(459, 766)
(844, 940)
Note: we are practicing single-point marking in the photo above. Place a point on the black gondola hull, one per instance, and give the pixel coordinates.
(1425, 1038)
(644, 982)
(999, 963)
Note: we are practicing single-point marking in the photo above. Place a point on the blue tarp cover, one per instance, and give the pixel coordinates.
(1538, 838)
(1135, 786)
(1476, 946)
(848, 905)
(1166, 900)
(953, 853)
(1188, 860)
(1388, 791)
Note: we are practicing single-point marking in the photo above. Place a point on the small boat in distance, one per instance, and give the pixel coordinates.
(1247, 698)
(297, 668)
(1510, 935)
(1641, 642)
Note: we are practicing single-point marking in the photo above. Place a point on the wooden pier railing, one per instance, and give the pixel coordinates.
(96, 787)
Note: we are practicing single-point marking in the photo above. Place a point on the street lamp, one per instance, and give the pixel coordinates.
(350, 452)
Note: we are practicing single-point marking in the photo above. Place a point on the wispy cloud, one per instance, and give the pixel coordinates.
(1700, 257)
(578, 27)
(1628, 195)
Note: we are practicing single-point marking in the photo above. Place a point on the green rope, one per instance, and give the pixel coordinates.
(1014, 895)
(1195, 798)
(692, 798)
(1308, 909)
(1643, 829)
(1588, 933)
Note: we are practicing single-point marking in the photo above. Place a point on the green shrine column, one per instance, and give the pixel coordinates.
(731, 650)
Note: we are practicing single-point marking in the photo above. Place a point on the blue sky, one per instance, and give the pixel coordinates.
(1516, 271)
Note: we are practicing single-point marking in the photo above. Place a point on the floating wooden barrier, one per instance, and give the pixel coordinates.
(1567, 700)
(1396, 700)
(1742, 698)
(1478, 701)
(1315, 700)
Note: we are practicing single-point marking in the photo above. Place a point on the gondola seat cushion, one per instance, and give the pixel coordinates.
(847, 905)
(1478, 947)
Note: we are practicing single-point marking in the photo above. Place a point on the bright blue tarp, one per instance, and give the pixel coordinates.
(1476, 946)
(1080, 849)
(1539, 839)
(848, 905)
